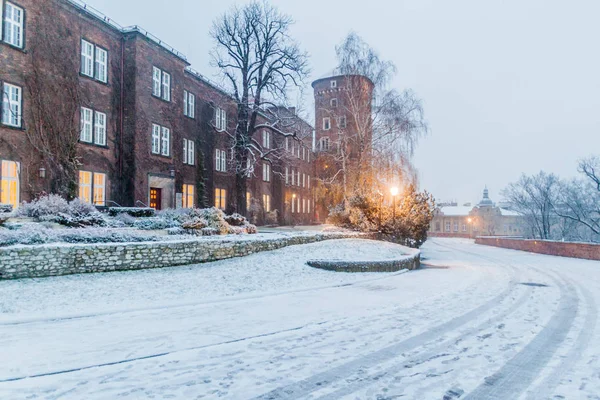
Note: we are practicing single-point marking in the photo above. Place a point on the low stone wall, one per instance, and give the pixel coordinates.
(65, 259)
(449, 235)
(410, 261)
(587, 251)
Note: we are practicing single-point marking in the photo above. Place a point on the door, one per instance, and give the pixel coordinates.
(155, 198)
(9, 188)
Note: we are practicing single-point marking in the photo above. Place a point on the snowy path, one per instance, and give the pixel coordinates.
(478, 323)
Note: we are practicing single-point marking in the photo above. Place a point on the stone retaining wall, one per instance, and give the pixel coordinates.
(409, 262)
(65, 259)
(587, 251)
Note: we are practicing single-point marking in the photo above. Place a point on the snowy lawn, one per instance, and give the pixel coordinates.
(269, 272)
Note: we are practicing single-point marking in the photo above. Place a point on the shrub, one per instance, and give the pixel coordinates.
(6, 208)
(46, 205)
(132, 211)
(53, 208)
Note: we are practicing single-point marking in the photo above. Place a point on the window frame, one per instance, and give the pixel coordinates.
(333, 84)
(7, 99)
(221, 195)
(96, 133)
(266, 172)
(326, 123)
(94, 72)
(21, 25)
(189, 104)
(162, 93)
(6, 180)
(333, 103)
(220, 119)
(188, 192)
(165, 151)
(97, 64)
(96, 188)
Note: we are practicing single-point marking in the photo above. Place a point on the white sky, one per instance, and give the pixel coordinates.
(509, 86)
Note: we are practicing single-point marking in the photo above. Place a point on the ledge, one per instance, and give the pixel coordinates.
(410, 262)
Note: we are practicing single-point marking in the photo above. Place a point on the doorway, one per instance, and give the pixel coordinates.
(155, 198)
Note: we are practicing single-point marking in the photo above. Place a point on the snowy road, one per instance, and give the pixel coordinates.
(476, 323)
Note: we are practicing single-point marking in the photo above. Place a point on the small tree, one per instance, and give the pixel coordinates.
(261, 63)
(53, 86)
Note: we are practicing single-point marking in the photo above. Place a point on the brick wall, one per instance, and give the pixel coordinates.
(587, 251)
(449, 235)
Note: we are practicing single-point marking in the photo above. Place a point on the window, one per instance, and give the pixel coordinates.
(326, 123)
(266, 172)
(12, 100)
(101, 65)
(447, 226)
(287, 178)
(9, 179)
(248, 200)
(287, 144)
(13, 25)
(455, 226)
(93, 127)
(308, 181)
(308, 206)
(333, 84)
(220, 119)
(333, 103)
(293, 177)
(303, 180)
(266, 139)
(342, 122)
(293, 203)
(304, 205)
(94, 61)
(92, 187)
(324, 144)
(189, 153)
(464, 227)
(308, 155)
(267, 202)
(188, 196)
(220, 198)
(304, 153)
(161, 140)
(438, 227)
(298, 178)
(100, 128)
(221, 160)
(189, 104)
(165, 147)
(161, 84)
(99, 189)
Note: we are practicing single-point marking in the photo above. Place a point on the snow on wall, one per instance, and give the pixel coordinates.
(64, 259)
(588, 251)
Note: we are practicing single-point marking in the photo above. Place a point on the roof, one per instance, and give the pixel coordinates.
(456, 210)
(341, 76)
(509, 213)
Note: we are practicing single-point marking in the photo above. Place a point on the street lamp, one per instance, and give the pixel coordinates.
(394, 192)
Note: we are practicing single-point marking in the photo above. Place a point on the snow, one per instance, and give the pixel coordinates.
(476, 322)
(454, 211)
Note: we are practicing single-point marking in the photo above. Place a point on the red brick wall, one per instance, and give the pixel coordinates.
(564, 249)
(449, 235)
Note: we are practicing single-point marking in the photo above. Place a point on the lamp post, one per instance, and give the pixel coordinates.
(394, 192)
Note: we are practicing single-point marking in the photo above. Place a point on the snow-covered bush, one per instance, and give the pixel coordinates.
(133, 211)
(53, 208)
(6, 208)
(272, 218)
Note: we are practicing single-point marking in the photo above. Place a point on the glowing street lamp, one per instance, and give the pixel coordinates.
(394, 192)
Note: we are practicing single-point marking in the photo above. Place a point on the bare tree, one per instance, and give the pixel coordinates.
(52, 82)
(261, 63)
(534, 197)
(579, 199)
(378, 127)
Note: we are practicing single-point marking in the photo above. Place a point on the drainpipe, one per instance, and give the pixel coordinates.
(122, 106)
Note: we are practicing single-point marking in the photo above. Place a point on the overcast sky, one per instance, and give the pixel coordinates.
(509, 86)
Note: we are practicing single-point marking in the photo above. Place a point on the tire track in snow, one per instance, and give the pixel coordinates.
(584, 338)
(428, 355)
(519, 372)
(306, 386)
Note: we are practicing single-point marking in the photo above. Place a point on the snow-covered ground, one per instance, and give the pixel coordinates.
(477, 323)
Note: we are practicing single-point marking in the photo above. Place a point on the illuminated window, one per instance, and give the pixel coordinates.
(10, 183)
(99, 189)
(188, 196)
(85, 186)
(267, 202)
(220, 198)
(92, 187)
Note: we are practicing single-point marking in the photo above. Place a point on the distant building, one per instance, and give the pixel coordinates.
(484, 219)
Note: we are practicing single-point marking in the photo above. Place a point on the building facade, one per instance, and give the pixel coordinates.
(343, 132)
(484, 219)
(151, 131)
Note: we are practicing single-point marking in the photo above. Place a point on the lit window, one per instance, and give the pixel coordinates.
(326, 123)
(248, 200)
(85, 186)
(13, 25)
(99, 189)
(266, 172)
(9, 179)
(267, 202)
(188, 196)
(293, 203)
(220, 198)
(12, 100)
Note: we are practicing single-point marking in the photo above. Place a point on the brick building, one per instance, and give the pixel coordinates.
(484, 219)
(343, 130)
(153, 131)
